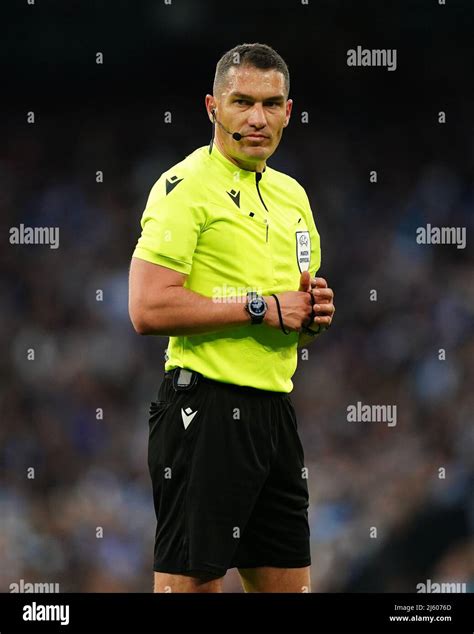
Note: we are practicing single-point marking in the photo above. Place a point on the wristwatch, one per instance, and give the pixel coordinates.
(256, 307)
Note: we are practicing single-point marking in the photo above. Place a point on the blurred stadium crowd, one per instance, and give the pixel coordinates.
(90, 472)
(78, 413)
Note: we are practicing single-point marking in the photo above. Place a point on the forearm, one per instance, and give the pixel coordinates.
(180, 311)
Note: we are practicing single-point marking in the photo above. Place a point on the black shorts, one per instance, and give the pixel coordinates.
(228, 476)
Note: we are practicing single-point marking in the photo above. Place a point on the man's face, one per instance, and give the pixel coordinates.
(252, 102)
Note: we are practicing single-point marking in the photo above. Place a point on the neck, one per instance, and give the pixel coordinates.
(250, 166)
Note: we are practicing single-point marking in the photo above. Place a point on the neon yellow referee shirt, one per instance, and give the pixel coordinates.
(232, 231)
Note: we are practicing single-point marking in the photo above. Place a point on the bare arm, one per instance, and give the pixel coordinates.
(160, 305)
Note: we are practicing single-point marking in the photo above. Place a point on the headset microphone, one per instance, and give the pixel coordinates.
(235, 135)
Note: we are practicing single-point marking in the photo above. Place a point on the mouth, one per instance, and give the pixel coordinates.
(256, 137)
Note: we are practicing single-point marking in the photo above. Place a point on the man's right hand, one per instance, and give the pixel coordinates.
(296, 306)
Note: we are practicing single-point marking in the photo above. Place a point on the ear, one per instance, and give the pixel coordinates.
(289, 106)
(210, 106)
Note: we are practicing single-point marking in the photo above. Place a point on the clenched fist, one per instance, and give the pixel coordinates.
(313, 302)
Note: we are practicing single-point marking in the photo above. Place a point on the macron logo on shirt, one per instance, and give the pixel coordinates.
(235, 196)
(171, 183)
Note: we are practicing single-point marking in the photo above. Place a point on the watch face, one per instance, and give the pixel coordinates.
(257, 306)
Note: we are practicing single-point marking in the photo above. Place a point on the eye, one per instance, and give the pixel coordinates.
(241, 101)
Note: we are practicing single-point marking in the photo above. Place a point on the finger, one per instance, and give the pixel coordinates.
(323, 321)
(324, 309)
(319, 282)
(305, 281)
(323, 294)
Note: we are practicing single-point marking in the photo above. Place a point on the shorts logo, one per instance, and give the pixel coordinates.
(303, 250)
(188, 416)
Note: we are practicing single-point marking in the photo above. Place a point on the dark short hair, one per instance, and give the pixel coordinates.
(257, 55)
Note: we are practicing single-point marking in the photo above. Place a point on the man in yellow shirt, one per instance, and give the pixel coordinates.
(225, 266)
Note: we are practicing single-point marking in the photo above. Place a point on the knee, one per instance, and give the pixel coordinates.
(167, 583)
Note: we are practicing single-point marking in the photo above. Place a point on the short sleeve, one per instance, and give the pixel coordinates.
(173, 219)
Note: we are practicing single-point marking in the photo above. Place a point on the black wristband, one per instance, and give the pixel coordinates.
(282, 325)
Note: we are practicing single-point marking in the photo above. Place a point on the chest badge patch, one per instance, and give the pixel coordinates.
(303, 250)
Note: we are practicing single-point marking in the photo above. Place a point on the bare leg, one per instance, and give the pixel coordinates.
(267, 579)
(165, 582)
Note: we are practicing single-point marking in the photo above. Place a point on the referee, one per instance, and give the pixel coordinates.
(225, 266)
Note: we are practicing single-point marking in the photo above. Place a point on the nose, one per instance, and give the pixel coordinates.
(257, 117)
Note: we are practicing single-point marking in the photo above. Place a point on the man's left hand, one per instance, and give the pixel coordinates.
(323, 302)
